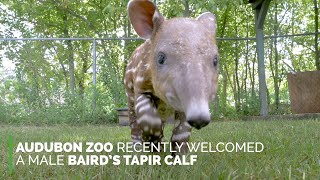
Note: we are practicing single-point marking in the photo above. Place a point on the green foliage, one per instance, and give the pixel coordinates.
(43, 84)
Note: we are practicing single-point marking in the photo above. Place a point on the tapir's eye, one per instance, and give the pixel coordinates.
(161, 59)
(215, 61)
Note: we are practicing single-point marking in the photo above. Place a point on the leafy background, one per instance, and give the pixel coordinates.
(51, 81)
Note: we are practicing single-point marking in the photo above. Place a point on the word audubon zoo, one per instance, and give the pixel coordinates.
(69, 153)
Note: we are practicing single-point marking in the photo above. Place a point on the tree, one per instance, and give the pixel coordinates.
(56, 76)
(316, 29)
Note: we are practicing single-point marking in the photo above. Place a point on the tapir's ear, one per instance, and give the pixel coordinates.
(209, 20)
(145, 17)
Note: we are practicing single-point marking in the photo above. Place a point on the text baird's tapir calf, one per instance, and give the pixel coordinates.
(174, 71)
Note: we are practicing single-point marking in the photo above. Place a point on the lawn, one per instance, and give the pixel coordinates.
(291, 151)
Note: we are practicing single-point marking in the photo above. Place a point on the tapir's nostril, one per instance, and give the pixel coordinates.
(199, 122)
(198, 115)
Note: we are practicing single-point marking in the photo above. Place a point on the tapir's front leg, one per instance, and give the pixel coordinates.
(148, 118)
(181, 132)
(135, 129)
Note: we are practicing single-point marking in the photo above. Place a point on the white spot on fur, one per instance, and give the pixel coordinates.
(146, 128)
(153, 121)
(148, 90)
(139, 79)
(141, 96)
(139, 103)
(130, 85)
(144, 108)
(133, 70)
(182, 136)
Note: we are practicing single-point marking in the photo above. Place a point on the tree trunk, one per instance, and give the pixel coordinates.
(84, 69)
(223, 68)
(253, 80)
(224, 90)
(69, 54)
(316, 37)
(244, 81)
(261, 74)
(127, 30)
(276, 61)
(237, 84)
(186, 12)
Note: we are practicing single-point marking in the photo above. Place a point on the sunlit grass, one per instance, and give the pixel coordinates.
(292, 150)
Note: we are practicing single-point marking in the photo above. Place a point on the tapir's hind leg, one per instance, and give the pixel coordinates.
(148, 118)
(181, 132)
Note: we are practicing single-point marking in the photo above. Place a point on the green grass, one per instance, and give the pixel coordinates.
(292, 151)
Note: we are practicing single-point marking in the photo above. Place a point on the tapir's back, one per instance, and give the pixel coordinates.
(137, 77)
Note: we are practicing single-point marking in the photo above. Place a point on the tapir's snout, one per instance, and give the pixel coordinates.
(198, 115)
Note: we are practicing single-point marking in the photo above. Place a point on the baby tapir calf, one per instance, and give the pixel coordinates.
(174, 71)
